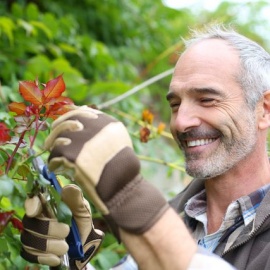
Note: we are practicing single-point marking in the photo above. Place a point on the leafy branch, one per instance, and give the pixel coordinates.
(40, 102)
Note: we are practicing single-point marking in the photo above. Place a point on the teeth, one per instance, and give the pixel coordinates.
(199, 142)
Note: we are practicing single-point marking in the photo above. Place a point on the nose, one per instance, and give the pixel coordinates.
(186, 118)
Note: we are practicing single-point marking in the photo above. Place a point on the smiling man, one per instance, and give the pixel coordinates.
(220, 113)
(211, 120)
(220, 102)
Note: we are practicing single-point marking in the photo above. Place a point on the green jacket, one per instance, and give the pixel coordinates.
(251, 250)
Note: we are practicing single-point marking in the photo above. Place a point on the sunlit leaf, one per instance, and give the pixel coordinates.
(30, 92)
(17, 107)
(54, 88)
(58, 106)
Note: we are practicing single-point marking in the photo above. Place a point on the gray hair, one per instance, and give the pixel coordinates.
(254, 76)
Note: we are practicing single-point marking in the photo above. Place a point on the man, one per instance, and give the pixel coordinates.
(220, 102)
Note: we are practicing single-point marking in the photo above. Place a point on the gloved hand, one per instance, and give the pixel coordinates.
(43, 239)
(97, 151)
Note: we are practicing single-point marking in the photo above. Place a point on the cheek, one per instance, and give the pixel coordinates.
(236, 126)
(226, 118)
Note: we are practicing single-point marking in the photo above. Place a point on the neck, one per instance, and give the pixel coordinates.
(249, 175)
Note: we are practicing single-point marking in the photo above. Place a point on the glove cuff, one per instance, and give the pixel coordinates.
(137, 207)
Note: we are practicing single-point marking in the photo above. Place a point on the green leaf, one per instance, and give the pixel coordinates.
(24, 170)
(26, 26)
(68, 48)
(107, 259)
(64, 214)
(118, 87)
(7, 26)
(38, 65)
(32, 11)
(3, 244)
(17, 10)
(62, 211)
(41, 26)
(6, 186)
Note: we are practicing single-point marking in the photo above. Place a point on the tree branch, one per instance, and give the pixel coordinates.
(136, 89)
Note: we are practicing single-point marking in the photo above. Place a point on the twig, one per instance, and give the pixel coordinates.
(10, 159)
(135, 89)
(160, 161)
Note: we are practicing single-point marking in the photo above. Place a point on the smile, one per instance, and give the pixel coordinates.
(199, 142)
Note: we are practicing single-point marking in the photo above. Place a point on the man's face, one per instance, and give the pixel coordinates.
(210, 120)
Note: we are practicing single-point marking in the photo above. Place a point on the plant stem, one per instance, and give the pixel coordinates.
(160, 161)
(10, 159)
(36, 131)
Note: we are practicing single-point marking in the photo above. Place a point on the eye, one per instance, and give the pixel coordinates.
(208, 101)
(174, 106)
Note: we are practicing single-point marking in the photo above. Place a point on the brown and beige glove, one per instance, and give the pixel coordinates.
(43, 239)
(97, 151)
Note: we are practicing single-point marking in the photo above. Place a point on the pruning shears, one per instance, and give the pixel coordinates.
(73, 239)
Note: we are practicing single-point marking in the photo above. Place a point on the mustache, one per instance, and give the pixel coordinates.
(198, 133)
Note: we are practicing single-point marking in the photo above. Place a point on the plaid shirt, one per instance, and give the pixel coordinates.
(239, 213)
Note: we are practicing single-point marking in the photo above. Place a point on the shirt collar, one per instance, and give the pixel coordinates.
(245, 206)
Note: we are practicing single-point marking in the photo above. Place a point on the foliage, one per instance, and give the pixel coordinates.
(102, 49)
(18, 178)
(40, 102)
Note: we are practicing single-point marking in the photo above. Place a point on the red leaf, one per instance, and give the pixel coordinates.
(4, 133)
(54, 88)
(60, 101)
(4, 219)
(58, 107)
(17, 107)
(30, 92)
(17, 224)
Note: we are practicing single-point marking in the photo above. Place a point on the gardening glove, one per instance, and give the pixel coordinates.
(96, 150)
(43, 238)
(91, 238)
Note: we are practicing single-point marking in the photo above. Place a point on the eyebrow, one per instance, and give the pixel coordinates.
(204, 90)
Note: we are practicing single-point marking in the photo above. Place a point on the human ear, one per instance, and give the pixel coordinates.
(264, 117)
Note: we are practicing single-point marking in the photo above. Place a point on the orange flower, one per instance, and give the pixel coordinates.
(147, 116)
(161, 127)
